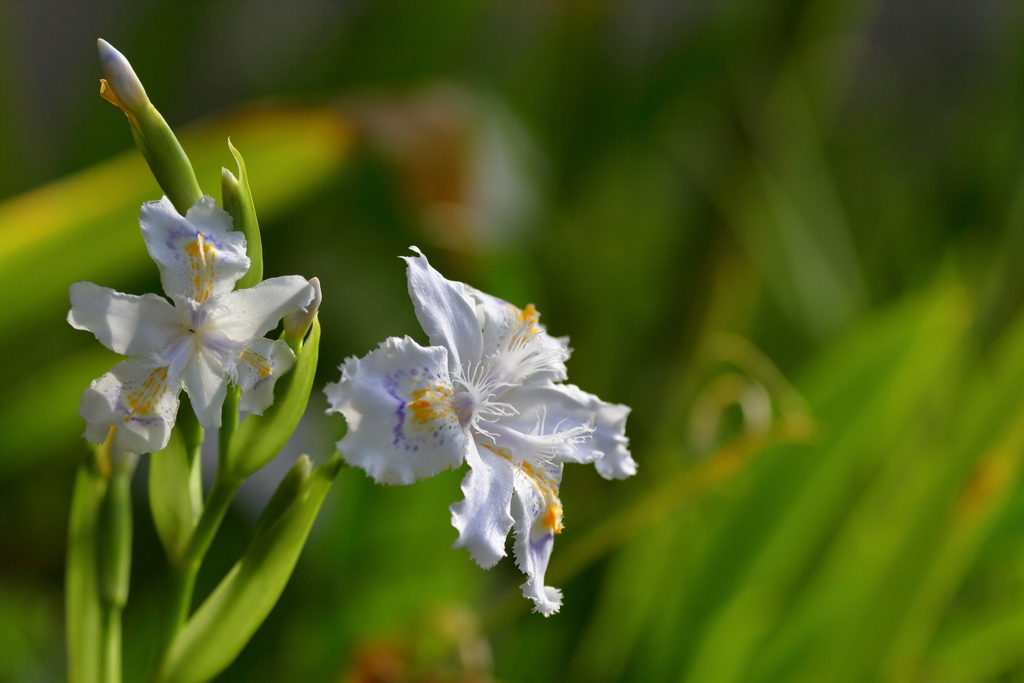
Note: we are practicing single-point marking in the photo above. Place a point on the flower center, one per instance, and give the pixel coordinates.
(463, 405)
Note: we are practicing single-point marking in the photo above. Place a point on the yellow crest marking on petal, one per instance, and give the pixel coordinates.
(525, 324)
(201, 263)
(551, 519)
(258, 363)
(143, 401)
(501, 452)
(430, 404)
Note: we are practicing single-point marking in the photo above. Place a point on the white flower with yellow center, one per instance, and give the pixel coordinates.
(209, 336)
(485, 392)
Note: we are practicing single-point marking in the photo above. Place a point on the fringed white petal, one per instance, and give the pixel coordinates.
(446, 313)
(609, 441)
(124, 323)
(199, 255)
(138, 398)
(482, 518)
(538, 517)
(562, 406)
(256, 370)
(616, 462)
(540, 445)
(399, 404)
(518, 347)
(551, 409)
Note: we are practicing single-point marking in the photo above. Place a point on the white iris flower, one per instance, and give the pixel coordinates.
(485, 392)
(209, 336)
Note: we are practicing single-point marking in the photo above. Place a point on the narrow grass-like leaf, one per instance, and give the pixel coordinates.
(83, 606)
(227, 619)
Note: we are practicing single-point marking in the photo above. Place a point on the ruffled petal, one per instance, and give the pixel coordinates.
(542, 444)
(538, 517)
(257, 368)
(249, 313)
(446, 314)
(517, 346)
(399, 405)
(483, 518)
(138, 398)
(608, 441)
(206, 385)
(616, 462)
(198, 254)
(124, 323)
(564, 406)
(552, 409)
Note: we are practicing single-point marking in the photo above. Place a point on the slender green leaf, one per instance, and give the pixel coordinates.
(226, 620)
(84, 611)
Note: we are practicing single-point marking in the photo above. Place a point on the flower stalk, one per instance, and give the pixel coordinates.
(205, 337)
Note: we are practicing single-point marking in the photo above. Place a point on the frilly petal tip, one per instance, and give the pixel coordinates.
(547, 602)
(375, 468)
(623, 469)
(483, 557)
(419, 257)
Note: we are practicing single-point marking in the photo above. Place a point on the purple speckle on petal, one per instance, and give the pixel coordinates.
(538, 545)
(391, 386)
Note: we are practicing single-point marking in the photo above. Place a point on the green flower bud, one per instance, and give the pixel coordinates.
(156, 141)
(298, 323)
(121, 86)
(237, 200)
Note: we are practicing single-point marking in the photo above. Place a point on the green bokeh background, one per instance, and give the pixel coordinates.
(789, 234)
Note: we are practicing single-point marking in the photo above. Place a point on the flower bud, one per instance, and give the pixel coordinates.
(297, 323)
(237, 199)
(121, 86)
(155, 139)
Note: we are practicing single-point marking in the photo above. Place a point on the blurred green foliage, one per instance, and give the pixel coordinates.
(788, 233)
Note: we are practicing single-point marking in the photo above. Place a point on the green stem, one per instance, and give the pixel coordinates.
(228, 420)
(221, 494)
(185, 571)
(114, 557)
(82, 595)
(183, 575)
(111, 655)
